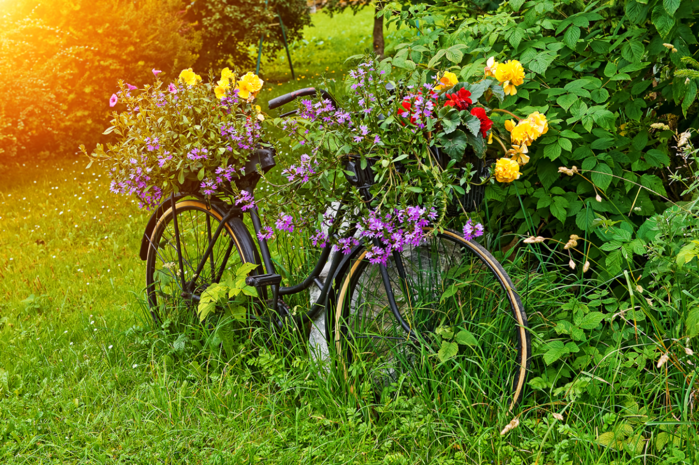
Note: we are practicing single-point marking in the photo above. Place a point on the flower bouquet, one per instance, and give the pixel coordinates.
(183, 136)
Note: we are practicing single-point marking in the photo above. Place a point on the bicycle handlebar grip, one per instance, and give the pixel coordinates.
(284, 99)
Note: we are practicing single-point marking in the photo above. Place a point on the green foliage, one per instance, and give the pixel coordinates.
(61, 61)
(232, 294)
(229, 29)
(603, 75)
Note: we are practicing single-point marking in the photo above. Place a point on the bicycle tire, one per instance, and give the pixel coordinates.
(368, 330)
(195, 219)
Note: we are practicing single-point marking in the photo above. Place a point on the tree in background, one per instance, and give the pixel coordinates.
(231, 28)
(60, 60)
(337, 6)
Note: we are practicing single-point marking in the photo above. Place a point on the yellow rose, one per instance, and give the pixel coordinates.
(447, 81)
(506, 170)
(490, 67)
(523, 133)
(511, 75)
(510, 125)
(250, 84)
(519, 154)
(539, 123)
(189, 77)
(227, 75)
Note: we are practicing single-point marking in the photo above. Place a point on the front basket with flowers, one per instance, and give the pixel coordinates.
(183, 136)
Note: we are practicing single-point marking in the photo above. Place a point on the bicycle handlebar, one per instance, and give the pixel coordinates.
(284, 99)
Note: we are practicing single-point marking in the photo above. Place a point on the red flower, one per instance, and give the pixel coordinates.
(486, 123)
(461, 99)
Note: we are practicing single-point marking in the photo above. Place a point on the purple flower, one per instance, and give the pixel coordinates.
(285, 223)
(377, 140)
(265, 233)
(246, 199)
(113, 101)
(130, 87)
(364, 129)
(472, 231)
(172, 88)
(319, 239)
(156, 72)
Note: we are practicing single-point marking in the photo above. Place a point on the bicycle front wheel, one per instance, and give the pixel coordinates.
(448, 295)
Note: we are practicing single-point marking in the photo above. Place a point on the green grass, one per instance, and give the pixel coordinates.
(86, 376)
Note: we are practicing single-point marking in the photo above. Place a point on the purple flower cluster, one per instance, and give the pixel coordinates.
(198, 154)
(247, 139)
(319, 239)
(471, 231)
(394, 231)
(285, 223)
(152, 143)
(164, 159)
(246, 199)
(208, 187)
(302, 171)
(136, 182)
(265, 233)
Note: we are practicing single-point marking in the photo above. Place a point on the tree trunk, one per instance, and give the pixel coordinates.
(378, 32)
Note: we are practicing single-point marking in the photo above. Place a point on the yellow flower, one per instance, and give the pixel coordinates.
(189, 77)
(528, 130)
(447, 81)
(506, 170)
(249, 85)
(519, 154)
(511, 75)
(538, 122)
(523, 133)
(227, 75)
(223, 86)
(491, 66)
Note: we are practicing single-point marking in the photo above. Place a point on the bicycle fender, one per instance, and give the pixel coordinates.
(152, 221)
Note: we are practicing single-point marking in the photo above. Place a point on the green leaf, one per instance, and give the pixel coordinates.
(516, 4)
(591, 320)
(653, 183)
(565, 101)
(556, 350)
(585, 219)
(541, 62)
(662, 21)
(465, 338)
(600, 95)
(671, 6)
(474, 125)
(636, 12)
(108, 130)
(455, 144)
(571, 37)
(692, 322)
(600, 179)
(689, 96)
(640, 140)
(632, 51)
(516, 37)
(657, 158)
(180, 177)
(552, 151)
(558, 208)
(451, 120)
(565, 144)
(610, 69)
(448, 350)
(547, 172)
(200, 174)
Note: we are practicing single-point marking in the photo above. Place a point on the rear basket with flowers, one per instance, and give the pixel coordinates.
(184, 136)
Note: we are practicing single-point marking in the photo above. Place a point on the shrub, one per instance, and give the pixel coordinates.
(68, 57)
(603, 75)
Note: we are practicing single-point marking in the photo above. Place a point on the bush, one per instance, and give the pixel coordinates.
(603, 74)
(61, 61)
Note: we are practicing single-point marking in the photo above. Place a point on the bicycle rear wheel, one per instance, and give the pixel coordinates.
(197, 224)
(450, 295)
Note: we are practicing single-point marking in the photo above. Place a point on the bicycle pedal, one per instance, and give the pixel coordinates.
(263, 280)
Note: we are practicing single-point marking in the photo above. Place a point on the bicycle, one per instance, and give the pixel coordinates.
(446, 285)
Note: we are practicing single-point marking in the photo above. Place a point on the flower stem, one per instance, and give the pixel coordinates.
(508, 112)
